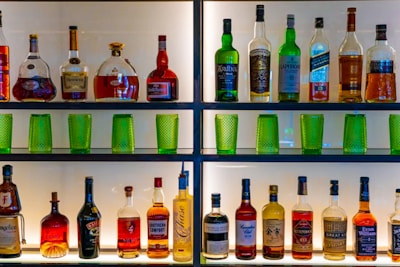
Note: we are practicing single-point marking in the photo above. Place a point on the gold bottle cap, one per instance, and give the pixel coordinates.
(116, 46)
(33, 36)
(273, 189)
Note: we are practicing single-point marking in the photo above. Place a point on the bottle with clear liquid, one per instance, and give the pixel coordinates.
(394, 230)
(381, 77)
(4, 65)
(259, 60)
(34, 83)
(350, 62)
(128, 226)
(319, 64)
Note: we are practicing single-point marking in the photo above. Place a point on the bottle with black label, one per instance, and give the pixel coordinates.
(394, 230)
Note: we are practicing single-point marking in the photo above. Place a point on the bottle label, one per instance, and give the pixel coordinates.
(159, 90)
(227, 77)
(158, 229)
(9, 234)
(31, 85)
(129, 232)
(394, 238)
(273, 233)
(334, 235)
(217, 247)
(260, 66)
(350, 72)
(365, 244)
(289, 74)
(381, 66)
(319, 61)
(216, 228)
(3, 59)
(5, 199)
(182, 227)
(302, 235)
(246, 233)
(73, 82)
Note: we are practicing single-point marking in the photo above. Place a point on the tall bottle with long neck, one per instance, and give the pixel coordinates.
(4, 65)
(394, 230)
(259, 60)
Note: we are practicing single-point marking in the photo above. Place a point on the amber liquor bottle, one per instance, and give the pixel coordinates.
(394, 230)
(4, 66)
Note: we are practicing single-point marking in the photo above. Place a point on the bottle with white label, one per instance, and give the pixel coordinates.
(394, 230)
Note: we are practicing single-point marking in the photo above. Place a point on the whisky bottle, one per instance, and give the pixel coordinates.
(162, 83)
(334, 226)
(259, 60)
(319, 64)
(394, 230)
(74, 72)
(302, 223)
(34, 83)
(89, 222)
(128, 228)
(246, 222)
(54, 234)
(350, 62)
(216, 228)
(273, 216)
(4, 65)
(226, 67)
(364, 227)
(289, 66)
(381, 79)
(157, 224)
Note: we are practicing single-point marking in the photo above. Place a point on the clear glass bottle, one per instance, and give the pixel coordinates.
(74, 72)
(4, 65)
(116, 80)
(128, 225)
(259, 60)
(34, 83)
(381, 77)
(394, 230)
(319, 64)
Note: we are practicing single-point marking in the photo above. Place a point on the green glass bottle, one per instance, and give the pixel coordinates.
(289, 66)
(226, 67)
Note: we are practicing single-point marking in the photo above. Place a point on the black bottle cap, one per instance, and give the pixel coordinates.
(364, 189)
(319, 23)
(260, 13)
(397, 190)
(73, 27)
(7, 170)
(302, 186)
(216, 200)
(380, 27)
(227, 25)
(334, 190)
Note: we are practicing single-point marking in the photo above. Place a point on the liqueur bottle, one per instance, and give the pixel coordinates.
(34, 83)
(157, 224)
(162, 83)
(226, 67)
(259, 60)
(381, 77)
(319, 64)
(89, 222)
(116, 80)
(394, 230)
(350, 62)
(334, 226)
(246, 222)
(289, 66)
(216, 228)
(4, 65)
(74, 72)
(54, 235)
(128, 228)
(302, 223)
(273, 216)
(364, 227)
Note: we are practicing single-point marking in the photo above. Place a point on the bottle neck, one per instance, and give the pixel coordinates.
(351, 22)
(215, 209)
(54, 207)
(89, 193)
(129, 201)
(290, 35)
(397, 203)
(302, 199)
(158, 196)
(334, 201)
(273, 198)
(227, 40)
(6, 179)
(33, 49)
(259, 29)
(364, 206)
(162, 56)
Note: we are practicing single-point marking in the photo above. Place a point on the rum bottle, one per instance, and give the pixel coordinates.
(226, 67)
(302, 223)
(259, 60)
(364, 227)
(4, 66)
(157, 224)
(89, 222)
(334, 226)
(394, 230)
(128, 228)
(74, 72)
(289, 66)
(350, 62)
(34, 83)
(273, 216)
(162, 83)
(381, 77)
(54, 234)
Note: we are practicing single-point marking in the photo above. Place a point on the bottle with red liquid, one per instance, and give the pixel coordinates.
(162, 83)
(116, 80)
(34, 83)
(4, 66)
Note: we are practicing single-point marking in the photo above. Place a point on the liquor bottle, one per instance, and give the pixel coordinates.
(319, 64)
(246, 222)
(381, 78)
(350, 62)
(302, 223)
(128, 225)
(394, 230)
(4, 65)
(259, 60)
(162, 83)
(364, 227)
(116, 80)
(34, 83)
(54, 234)
(273, 216)
(226, 67)
(334, 226)
(289, 66)
(89, 222)
(74, 72)
(9, 198)
(216, 228)
(182, 224)
(157, 224)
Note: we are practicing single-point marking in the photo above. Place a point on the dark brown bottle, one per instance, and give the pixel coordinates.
(9, 198)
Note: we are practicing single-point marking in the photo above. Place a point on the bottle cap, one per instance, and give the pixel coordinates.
(302, 186)
(227, 26)
(157, 182)
(89, 179)
(162, 38)
(33, 36)
(380, 28)
(73, 28)
(397, 190)
(260, 13)
(319, 23)
(54, 197)
(290, 21)
(182, 182)
(216, 199)
(116, 46)
(245, 181)
(351, 10)
(7, 170)
(128, 191)
(273, 189)
(334, 189)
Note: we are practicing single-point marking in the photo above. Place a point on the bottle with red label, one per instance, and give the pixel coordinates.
(4, 66)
